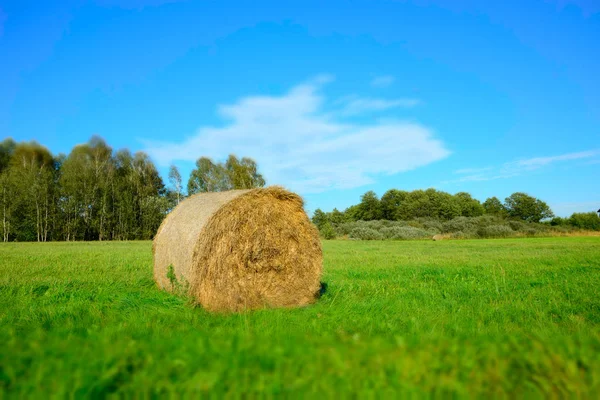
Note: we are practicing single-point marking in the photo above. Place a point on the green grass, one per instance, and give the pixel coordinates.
(514, 317)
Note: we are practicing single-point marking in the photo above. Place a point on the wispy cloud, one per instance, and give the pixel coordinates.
(516, 168)
(360, 105)
(538, 162)
(383, 81)
(299, 144)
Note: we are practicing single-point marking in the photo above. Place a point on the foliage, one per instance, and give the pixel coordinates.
(589, 221)
(558, 221)
(327, 231)
(390, 203)
(319, 218)
(369, 208)
(527, 208)
(469, 207)
(233, 174)
(406, 233)
(495, 231)
(176, 184)
(91, 194)
(493, 206)
(462, 224)
(95, 193)
(451, 319)
(484, 226)
(365, 233)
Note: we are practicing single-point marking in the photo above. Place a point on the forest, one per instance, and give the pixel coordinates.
(95, 193)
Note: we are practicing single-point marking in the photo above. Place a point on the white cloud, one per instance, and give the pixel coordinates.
(357, 105)
(537, 162)
(383, 81)
(297, 143)
(516, 168)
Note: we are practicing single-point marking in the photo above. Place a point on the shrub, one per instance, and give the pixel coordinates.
(431, 225)
(405, 233)
(495, 231)
(463, 224)
(345, 228)
(590, 221)
(459, 235)
(517, 226)
(364, 233)
(327, 232)
(558, 221)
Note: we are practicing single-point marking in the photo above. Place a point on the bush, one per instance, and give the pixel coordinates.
(327, 232)
(589, 221)
(364, 233)
(432, 225)
(517, 226)
(530, 231)
(463, 224)
(345, 228)
(495, 231)
(558, 221)
(459, 235)
(405, 233)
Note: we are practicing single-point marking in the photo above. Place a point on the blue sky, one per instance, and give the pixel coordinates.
(332, 99)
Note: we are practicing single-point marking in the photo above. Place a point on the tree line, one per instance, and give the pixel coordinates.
(95, 193)
(400, 205)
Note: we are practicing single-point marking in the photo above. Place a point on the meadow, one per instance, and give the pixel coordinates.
(494, 317)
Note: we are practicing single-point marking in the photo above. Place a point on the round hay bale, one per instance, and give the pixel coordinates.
(241, 249)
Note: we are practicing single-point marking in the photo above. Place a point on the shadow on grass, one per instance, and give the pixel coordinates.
(322, 289)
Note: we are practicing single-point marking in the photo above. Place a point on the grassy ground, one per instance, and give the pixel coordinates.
(516, 317)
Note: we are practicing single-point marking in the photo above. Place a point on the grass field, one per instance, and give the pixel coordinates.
(514, 317)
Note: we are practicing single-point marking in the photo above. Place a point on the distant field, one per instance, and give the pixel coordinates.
(514, 317)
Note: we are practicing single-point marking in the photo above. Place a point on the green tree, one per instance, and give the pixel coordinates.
(31, 180)
(390, 203)
(175, 181)
(527, 208)
(469, 206)
(494, 206)
(320, 218)
(87, 191)
(337, 217)
(151, 204)
(233, 174)
(417, 204)
(369, 207)
(7, 195)
(352, 213)
(243, 174)
(7, 148)
(589, 221)
(6, 205)
(327, 232)
(444, 206)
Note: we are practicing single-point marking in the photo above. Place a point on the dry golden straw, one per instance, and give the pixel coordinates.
(241, 249)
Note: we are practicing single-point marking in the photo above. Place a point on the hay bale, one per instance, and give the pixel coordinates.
(241, 249)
